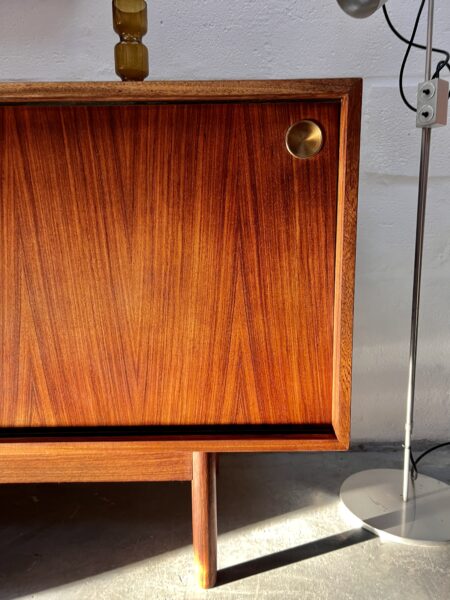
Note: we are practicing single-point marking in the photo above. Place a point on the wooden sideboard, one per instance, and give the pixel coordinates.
(174, 283)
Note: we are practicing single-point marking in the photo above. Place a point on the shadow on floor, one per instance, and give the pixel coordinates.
(51, 535)
(292, 555)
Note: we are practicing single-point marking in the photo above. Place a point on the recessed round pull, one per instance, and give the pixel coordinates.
(304, 139)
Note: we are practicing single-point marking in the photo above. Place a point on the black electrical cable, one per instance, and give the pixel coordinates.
(414, 471)
(411, 44)
(415, 462)
(441, 64)
(405, 58)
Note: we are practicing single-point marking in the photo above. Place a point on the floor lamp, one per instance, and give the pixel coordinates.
(390, 502)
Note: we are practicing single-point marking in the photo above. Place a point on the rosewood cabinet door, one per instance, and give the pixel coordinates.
(167, 264)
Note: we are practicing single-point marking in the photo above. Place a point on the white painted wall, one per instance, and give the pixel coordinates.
(202, 39)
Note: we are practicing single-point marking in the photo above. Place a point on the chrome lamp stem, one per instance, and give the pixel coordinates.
(421, 205)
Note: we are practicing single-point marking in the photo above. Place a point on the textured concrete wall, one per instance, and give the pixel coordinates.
(201, 39)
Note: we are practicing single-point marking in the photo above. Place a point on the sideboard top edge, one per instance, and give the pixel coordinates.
(166, 91)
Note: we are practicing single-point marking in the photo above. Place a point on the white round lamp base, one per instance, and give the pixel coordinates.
(374, 498)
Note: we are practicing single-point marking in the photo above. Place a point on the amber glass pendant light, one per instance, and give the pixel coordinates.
(130, 54)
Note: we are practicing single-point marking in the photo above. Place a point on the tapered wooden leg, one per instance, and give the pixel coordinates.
(204, 517)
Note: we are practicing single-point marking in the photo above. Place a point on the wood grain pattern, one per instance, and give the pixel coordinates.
(153, 275)
(345, 262)
(347, 92)
(204, 517)
(176, 91)
(91, 461)
(172, 264)
(307, 442)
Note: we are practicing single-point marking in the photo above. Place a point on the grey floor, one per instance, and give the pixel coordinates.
(282, 534)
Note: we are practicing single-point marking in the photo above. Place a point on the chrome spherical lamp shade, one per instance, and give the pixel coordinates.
(360, 9)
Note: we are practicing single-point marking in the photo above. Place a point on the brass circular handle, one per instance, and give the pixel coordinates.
(304, 139)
